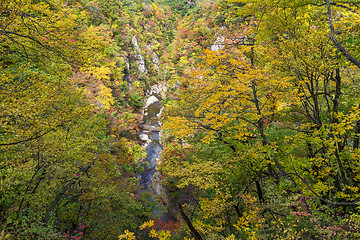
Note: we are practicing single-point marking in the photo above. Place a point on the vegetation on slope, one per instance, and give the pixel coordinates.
(261, 125)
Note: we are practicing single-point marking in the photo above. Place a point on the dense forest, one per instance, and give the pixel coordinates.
(260, 119)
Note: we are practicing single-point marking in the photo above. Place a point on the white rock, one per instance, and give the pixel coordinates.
(151, 100)
(140, 58)
(134, 41)
(144, 137)
(159, 89)
(159, 114)
(127, 63)
(155, 60)
(218, 44)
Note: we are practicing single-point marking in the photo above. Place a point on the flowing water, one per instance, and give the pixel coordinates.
(150, 135)
(150, 131)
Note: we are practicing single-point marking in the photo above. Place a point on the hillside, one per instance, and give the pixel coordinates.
(144, 119)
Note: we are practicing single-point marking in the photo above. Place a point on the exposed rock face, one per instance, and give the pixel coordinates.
(139, 57)
(127, 77)
(150, 132)
(218, 44)
(159, 89)
(127, 63)
(155, 60)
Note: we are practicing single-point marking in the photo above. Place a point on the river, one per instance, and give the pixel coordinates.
(150, 135)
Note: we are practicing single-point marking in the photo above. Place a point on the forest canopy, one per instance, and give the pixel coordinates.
(259, 130)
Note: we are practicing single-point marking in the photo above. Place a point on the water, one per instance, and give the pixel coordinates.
(151, 128)
(153, 151)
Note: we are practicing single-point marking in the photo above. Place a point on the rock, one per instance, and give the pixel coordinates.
(218, 44)
(127, 63)
(158, 90)
(143, 137)
(159, 114)
(156, 186)
(155, 60)
(150, 101)
(149, 127)
(140, 58)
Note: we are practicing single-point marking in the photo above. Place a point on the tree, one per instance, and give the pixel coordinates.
(272, 105)
(59, 170)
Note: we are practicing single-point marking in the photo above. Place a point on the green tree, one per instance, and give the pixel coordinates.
(277, 103)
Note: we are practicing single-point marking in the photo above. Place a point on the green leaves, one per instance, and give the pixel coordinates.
(276, 107)
(57, 128)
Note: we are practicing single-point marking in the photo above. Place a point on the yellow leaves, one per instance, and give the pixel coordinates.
(325, 172)
(183, 62)
(347, 21)
(179, 126)
(4, 236)
(50, 33)
(101, 73)
(161, 235)
(41, 7)
(241, 131)
(357, 177)
(354, 219)
(220, 92)
(148, 224)
(199, 173)
(128, 151)
(249, 223)
(153, 233)
(321, 187)
(213, 207)
(231, 237)
(208, 138)
(127, 235)
(33, 102)
(105, 98)
(343, 195)
(213, 58)
(350, 193)
(242, 222)
(352, 188)
(207, 228)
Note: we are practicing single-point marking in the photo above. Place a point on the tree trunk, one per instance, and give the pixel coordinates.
(190, 225)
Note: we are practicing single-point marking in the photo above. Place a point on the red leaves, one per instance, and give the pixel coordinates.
(175, 154)
(166, 226)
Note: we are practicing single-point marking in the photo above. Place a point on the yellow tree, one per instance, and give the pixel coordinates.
(283, 104)
(55, 152)
(232, 104)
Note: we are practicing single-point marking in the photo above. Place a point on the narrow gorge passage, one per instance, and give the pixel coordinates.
(149, 134)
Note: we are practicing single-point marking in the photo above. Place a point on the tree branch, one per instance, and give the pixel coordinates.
(335, 41)
(26, 140)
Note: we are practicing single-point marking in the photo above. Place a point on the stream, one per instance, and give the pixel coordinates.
(149, 134)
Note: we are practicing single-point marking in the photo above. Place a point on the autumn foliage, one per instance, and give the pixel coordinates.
(260, 130)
